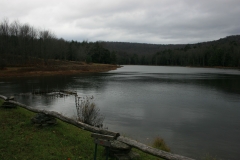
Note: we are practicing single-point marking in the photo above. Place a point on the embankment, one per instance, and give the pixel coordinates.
(128, 141)
(54, 67)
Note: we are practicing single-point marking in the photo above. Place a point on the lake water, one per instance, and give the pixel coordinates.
(195, 110)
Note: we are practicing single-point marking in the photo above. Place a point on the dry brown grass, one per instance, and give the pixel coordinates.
(54, 67)
(160, 144)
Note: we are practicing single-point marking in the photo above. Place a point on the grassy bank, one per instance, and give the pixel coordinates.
(54, 67)
(20, 139)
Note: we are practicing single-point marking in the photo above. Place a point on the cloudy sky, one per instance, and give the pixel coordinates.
(142, 21)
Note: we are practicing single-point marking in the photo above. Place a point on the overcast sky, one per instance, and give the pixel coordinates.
(142, 21)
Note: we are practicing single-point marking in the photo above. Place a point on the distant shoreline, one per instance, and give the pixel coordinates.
(59, 68)
(71, 68)
(219, 67)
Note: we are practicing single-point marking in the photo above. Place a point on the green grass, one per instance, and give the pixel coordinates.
(20, 139)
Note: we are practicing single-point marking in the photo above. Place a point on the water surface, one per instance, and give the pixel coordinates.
(195, 110)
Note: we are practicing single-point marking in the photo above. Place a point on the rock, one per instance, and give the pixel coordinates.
(43, 119)
(133, 155)
(119, 148)
(119, 145)
(7, 104)
(122, 157)
(122, 151)
(129, 156)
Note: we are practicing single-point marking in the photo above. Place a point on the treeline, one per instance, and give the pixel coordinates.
(19, 43)
(224, 52)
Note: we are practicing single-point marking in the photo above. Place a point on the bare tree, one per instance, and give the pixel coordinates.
(14, 28)
(4, 27)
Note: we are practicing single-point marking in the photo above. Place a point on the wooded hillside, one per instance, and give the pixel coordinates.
(224, 52)
(20, 43)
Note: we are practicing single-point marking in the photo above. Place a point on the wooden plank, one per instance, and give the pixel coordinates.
(101, 142)
(101, 136)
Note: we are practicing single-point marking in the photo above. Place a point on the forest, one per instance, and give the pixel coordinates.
(19, 43)
(224, 52)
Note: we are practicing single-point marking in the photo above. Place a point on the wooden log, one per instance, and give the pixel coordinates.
(151, 150)
(3, 97)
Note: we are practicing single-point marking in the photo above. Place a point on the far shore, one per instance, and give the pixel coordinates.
(219, 67)
(70, 68)
(57, 68)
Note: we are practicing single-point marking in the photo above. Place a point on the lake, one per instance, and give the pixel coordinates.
(195, 110)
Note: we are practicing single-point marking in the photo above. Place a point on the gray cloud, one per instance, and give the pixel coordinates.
(161, 22)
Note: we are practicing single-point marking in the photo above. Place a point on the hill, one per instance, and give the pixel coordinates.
(224, 52)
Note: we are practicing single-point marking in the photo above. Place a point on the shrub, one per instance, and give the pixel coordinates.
(88, 113)
(160, 144)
